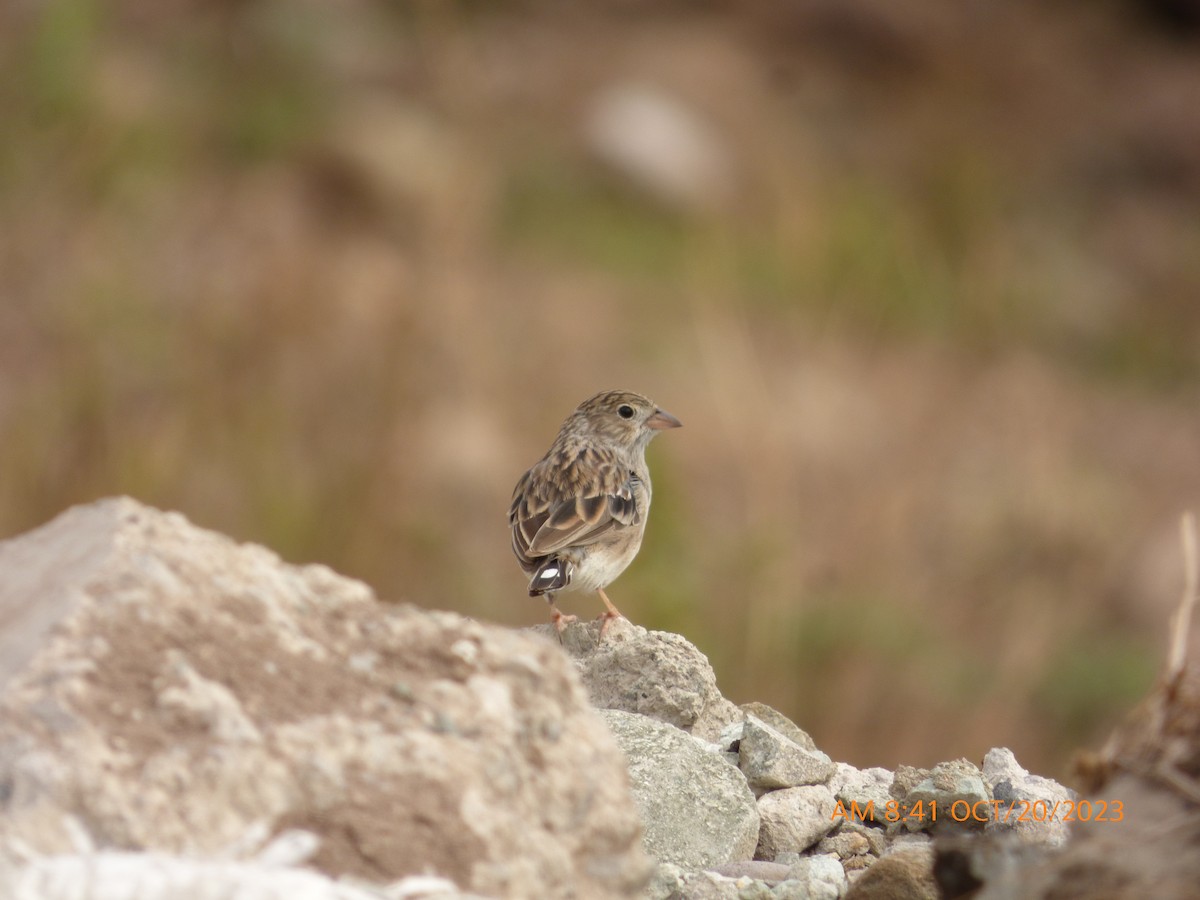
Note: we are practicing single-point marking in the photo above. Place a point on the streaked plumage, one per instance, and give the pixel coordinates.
(578, 514)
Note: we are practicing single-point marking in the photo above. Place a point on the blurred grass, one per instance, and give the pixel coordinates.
(567, 214)
(330, 282)
(1089, 676)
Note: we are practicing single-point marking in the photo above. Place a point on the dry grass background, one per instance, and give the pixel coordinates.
(328, 276)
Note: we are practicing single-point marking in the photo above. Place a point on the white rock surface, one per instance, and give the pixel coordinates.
(173, 690)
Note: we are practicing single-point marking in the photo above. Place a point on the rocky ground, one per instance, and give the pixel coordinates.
(186, 717)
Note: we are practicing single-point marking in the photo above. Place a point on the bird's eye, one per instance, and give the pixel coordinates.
(625, 411)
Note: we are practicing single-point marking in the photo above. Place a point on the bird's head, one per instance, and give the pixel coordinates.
(622, 418)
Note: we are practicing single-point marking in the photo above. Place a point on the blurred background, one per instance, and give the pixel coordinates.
(921, 280)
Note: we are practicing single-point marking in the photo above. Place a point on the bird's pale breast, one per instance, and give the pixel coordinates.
(598, 565)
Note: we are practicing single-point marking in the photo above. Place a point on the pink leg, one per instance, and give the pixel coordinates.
(609, 614)
(560, 619)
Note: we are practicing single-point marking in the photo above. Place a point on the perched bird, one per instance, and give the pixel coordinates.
(578, 515)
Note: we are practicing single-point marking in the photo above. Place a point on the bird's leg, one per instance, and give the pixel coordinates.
(609, 614)
(560, 620)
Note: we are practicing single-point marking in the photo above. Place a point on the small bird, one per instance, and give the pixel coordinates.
(578, 515)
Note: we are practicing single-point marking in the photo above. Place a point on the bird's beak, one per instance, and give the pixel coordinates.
(662, 419)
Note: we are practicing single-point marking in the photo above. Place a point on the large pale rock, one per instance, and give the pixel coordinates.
(696, 807)
(168, 689)
(652, 673)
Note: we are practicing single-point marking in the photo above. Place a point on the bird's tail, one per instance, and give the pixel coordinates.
(552, 575)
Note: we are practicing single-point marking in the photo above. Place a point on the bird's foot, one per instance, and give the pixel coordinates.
(561, 621)
(610, 613)
(605, 619)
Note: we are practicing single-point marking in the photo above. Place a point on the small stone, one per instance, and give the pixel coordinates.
(757, 869)
(780, 723)
(844, 844)
(864, 790)
(856, 865)
(667, 882)
(730, 737)
(875, 837)
(711, 886)
(771, 760)
(906, 873)
(818, 877)
(951, 797)
(793, 819)
(1031, 807)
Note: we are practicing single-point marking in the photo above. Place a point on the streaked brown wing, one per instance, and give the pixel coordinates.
(524, 519)
(544, 523)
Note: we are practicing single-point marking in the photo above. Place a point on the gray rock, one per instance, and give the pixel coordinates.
(874, 836)
(819, 877)
(856, 865)
(653, 673)
(952, 796)
(780, 723)
(1031, 807)
(845, 844)
(905, 873)
(712, 886)
(757, 869)
(863, 793)
(696, 808)
(904, 779)
(188, 688)
(794, 819)
(729, 738)
(667, 883)
(771, 760)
